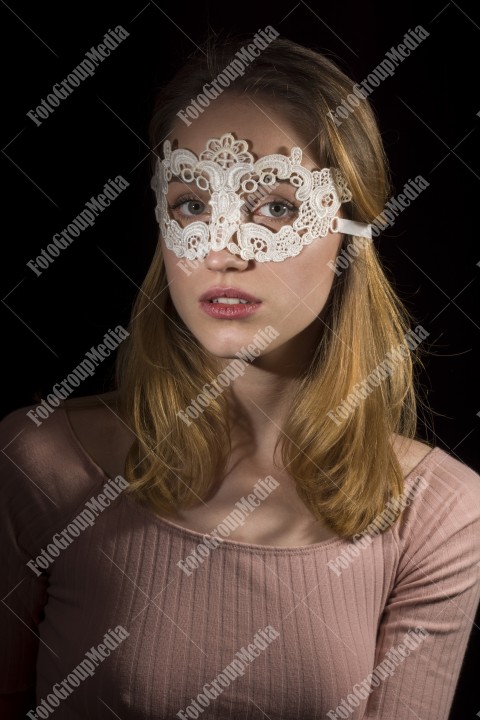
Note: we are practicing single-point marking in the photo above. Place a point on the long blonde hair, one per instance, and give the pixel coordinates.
(346, 472)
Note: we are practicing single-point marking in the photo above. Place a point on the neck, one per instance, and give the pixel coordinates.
(262, 396)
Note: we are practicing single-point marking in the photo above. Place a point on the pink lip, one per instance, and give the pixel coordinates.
(228, 312)
(228, 292)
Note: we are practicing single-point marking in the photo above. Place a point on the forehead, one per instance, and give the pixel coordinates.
(264, 124)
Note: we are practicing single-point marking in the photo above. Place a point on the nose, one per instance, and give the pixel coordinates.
(223, 260)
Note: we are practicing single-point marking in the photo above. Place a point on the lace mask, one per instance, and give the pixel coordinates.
(231, 179)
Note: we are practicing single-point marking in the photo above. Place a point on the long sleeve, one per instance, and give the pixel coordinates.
(23, 592)
(41, 484)
(436, 590)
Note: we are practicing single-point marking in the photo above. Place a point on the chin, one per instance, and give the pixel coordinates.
(225, 349)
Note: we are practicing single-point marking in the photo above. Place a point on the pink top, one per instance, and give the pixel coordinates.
(255, 631)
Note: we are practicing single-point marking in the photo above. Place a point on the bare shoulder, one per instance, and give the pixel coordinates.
(410, 452)
(100, 430)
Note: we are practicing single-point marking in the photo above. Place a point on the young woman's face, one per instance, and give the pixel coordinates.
(291, 293)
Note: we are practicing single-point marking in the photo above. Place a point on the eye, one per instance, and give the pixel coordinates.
(189, 206)
(277, 210)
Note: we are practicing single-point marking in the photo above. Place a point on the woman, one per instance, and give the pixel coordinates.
(246, 526)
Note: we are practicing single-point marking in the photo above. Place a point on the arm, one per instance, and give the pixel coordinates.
(23, 593)
(437, 590)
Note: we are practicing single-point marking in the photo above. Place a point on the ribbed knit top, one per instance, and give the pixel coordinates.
(114, 628)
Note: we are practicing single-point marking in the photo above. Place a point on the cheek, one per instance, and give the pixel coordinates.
(172, 267)
(178, 270)
(308, 276)
(179, 277)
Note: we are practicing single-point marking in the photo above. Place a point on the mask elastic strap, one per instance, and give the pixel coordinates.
(350, 227)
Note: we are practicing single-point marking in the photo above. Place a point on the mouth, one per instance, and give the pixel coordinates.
(228, 303)
(228, 296)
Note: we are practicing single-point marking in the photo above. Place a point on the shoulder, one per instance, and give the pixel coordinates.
(442, 503)
(409, 452)
(448, 476)
(30, 433)
(27, 438)
(100, 430)
(99, 412)
(42, 464)
(452, 481)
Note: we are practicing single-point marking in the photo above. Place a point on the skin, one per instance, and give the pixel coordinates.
(293, 292)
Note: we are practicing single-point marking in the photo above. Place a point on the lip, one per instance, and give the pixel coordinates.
(228, 292)
(228, 312)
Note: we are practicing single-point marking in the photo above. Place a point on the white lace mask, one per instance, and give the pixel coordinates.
(229, 176)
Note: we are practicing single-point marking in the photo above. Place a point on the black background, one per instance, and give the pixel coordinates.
(429, 119)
